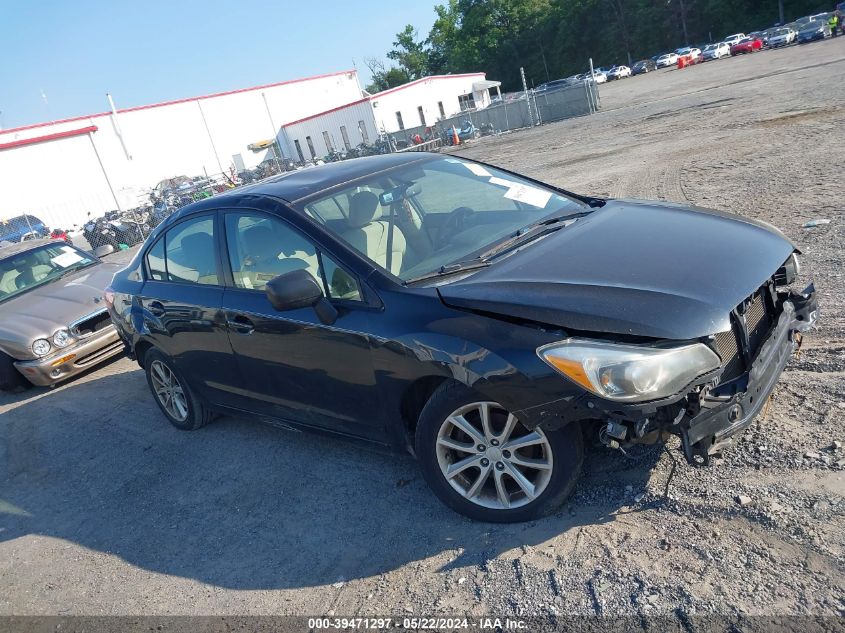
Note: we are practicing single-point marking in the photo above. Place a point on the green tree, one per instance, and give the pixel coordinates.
(410, 54)
(556, 38)
(384, 78)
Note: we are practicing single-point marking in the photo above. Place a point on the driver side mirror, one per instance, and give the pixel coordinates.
(298, 289)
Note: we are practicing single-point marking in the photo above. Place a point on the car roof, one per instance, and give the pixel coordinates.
(9, 249)
(296, 185)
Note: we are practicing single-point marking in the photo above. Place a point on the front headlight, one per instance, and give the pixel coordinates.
(62, 338)
(629, 373)
(41, 347)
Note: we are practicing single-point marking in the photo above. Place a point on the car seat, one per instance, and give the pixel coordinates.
(370, 236)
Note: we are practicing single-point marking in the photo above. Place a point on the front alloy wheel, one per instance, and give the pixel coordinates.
(491, 459)
(483, 462)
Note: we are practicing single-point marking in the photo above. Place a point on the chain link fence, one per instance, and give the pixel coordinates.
(515, 111)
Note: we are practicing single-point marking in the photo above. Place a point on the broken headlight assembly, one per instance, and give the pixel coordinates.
(788, 273)
(629, 373)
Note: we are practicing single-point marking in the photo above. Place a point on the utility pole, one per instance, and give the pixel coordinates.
(116, 123)
(276, 148)
(527, 96)
(684, 21)
(780, 12)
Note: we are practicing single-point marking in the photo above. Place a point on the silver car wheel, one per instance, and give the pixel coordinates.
(169, 391)
(491, 459)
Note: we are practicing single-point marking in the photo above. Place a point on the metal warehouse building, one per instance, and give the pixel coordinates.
(62, 171)
(417, 103)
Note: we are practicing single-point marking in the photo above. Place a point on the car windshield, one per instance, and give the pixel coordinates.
(418, 219)
(39, 266)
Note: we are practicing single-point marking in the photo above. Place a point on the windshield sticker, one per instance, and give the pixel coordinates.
(68, 258)
(529, 195)
(478, 170)
(504, 183)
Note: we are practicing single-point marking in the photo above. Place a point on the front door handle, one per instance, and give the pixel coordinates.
(240, 324)
(156, 308)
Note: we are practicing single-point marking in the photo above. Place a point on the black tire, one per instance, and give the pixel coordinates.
(566, 445)
(11, 379)
(197, 414)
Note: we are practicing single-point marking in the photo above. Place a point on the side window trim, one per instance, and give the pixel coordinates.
(229, 278)
(148, 274)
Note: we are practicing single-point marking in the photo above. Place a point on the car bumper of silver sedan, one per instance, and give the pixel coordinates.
(73, 359)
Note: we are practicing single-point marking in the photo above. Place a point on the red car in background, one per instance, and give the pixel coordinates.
(746, 45)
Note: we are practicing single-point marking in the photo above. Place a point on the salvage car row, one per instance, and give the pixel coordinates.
(482, 320)
(803, 30)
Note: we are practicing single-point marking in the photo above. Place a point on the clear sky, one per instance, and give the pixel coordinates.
(146, 51)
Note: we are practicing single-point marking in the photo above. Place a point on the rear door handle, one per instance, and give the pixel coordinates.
(156, 309)
(240, 324)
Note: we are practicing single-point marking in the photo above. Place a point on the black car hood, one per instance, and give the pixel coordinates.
(631, 267)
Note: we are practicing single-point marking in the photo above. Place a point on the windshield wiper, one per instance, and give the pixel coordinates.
(522, 236)
(530, 233)
(450, 269)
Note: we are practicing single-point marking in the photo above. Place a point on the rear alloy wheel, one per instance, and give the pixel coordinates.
(483, 462)
(169, 391)
(173, 395)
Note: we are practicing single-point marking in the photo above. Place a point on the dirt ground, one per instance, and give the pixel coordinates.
(106, 509)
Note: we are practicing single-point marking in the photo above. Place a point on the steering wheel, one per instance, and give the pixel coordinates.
(455, 222)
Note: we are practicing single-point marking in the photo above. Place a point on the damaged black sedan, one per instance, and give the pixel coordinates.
(480, 319)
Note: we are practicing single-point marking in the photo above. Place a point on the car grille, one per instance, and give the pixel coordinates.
(729, 352)
(758, 322)
(91, 324)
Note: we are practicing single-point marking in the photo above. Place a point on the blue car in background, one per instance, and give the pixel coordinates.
(21, 228)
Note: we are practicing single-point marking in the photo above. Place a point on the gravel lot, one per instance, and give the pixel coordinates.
(106, 509)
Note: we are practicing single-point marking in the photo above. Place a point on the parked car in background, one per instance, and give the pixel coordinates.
(730, 40)
(554, 85)
(694, 53)
(619, 72)
(599, 75)
(667, 59)
(366, 298)
(782, 37)
(768, 33)
(53, 321)
(746, 45)
(716, 51)
(21, 228)
(813, 31)
(643, 66)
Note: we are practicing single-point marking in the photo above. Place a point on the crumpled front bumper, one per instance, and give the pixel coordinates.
(714, 425)
(73, 359)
